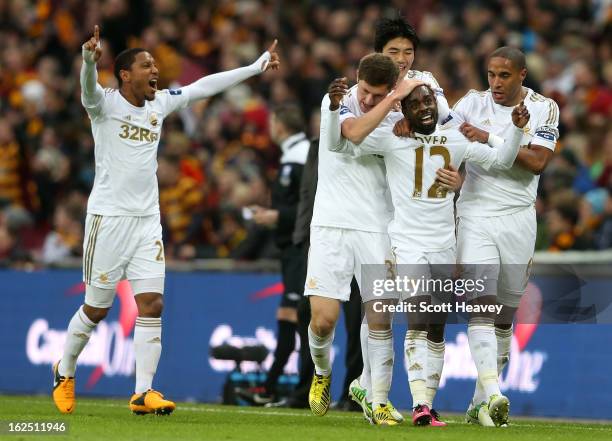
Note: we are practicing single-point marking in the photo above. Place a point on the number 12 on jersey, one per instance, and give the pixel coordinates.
(435, 191)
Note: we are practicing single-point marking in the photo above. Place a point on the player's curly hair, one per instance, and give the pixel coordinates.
(124, 61)
(387, 29)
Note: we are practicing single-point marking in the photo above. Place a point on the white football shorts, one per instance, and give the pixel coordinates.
(123, 247)
(505, 243)
(424, 267)
(337, 254)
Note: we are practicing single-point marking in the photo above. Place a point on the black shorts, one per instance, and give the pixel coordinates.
(293, 272)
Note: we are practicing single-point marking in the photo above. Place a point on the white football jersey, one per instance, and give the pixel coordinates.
(424, 213)
(126, 139)
(351, 192)
(500, 192)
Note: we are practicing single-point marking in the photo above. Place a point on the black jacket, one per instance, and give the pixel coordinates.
(286, 187)
(308, 189)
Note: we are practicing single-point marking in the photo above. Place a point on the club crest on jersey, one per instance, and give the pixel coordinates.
(153, 119)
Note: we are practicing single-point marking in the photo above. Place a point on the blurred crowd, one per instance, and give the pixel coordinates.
(217, 157)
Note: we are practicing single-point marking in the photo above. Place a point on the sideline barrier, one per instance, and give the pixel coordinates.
(554, 370)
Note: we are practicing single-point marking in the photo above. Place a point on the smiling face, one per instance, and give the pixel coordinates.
(142, 77)
(401, 51)
(369, 96)
(421, 110)
(505, 81)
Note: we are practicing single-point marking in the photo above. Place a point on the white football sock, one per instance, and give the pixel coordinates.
(435, 364)
(79, 331)
(147, 350)
(483, 346)
(415, 348)
(380, 354)
(366, 375)
(479, 394)
(504, 342)
(320, 349)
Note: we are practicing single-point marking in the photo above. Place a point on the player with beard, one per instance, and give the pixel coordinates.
(422, 231)
(398, 40)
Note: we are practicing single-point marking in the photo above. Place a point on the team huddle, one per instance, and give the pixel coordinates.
(505, 136)
(389, 153)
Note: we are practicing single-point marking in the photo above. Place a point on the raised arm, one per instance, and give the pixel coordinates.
(504, 153)
(330, 118)
(356, 129)
(213, 84)
(540, 150)
(91, 92)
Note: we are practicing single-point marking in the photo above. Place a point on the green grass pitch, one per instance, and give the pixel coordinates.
(103, 419)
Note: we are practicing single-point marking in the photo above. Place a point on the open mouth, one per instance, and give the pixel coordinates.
(498, 95)
(153, 83)
(427, 119)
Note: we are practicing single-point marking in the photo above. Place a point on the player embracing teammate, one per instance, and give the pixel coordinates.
(495, 212)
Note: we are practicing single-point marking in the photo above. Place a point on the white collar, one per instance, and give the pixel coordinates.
(291, 141)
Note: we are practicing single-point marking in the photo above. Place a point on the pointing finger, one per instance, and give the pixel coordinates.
(97, 33)
(272, 47)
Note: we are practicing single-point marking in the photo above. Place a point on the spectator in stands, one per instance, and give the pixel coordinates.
(66, 239)
(564, 230)
(567, 47)
(16, 186)
(180, 202)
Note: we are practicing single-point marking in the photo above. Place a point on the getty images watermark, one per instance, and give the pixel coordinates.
(407, 288)
(425, 288)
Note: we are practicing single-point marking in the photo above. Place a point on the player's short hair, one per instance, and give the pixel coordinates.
(404, 102)
(513, 54)
(124, 61)
(387, 29)
(377, 70)
(290, 116)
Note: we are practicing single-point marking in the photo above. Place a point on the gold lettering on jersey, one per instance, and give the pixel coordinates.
(431, 139)
(436, 191)
(418, 172)
(144, 134)
(160, 252)
(134, 133)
